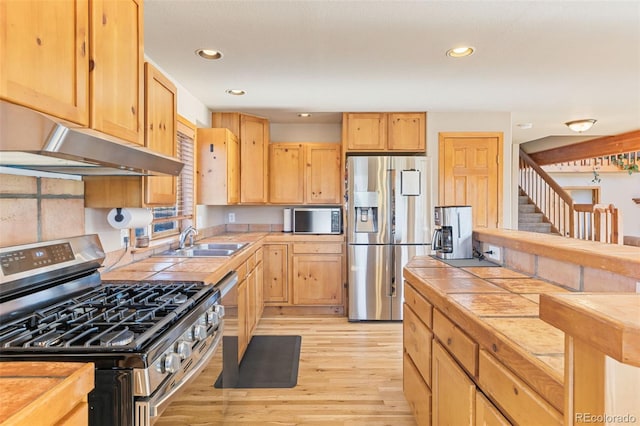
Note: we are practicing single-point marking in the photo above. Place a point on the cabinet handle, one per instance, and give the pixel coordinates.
(92, 65)
(83, 48)
(449, 341)
(133, 110)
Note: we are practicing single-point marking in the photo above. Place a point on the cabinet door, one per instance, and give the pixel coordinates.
(117, 68)
(251, 303)
(254, 154)
(286, 172)
(416, 392)
(366, 131)
(416, 339)
(323, 177)
(407, 132)
(317, 279)
(453, 393)
(44, 58)
(275, 281)
(487, 414)
(259, 291)
(218, 167)
(243, 299)
(160, 133)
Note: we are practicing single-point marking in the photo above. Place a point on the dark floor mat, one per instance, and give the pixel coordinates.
(269, 362)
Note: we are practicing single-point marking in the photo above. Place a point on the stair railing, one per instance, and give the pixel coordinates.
(598, 222)
(553, 202)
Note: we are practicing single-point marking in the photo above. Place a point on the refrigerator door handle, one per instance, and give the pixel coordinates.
(391, 182)
(393, 292)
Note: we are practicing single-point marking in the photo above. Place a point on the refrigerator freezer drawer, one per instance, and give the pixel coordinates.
(370, 292)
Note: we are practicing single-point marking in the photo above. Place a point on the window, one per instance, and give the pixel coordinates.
(171, 220)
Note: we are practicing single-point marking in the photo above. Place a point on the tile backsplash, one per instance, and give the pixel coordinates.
(36, 209)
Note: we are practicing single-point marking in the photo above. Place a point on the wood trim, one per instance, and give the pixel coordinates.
(607, 145)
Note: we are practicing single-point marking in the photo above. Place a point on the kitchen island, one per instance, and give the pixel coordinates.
(475, 346)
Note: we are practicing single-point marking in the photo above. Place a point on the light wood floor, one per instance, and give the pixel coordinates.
(350, 374)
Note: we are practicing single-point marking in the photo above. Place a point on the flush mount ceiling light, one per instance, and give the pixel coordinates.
(235, 92)
(460, 52)
(580, 125)
(209, 54)
(304, 114)
(525, 126)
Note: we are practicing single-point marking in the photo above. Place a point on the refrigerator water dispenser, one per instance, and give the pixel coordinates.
(366, 216)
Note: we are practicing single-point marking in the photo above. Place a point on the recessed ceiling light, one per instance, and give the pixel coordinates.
(460, 52)
(580, 125)
(525, 125)
(235, 92)
(304, 114)
(209, 54)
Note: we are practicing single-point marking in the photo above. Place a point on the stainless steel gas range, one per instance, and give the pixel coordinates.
(147, 338)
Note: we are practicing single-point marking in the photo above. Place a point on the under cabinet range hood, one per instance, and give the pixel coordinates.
(33, 141)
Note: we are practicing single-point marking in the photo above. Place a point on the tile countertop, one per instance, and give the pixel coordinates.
(498, 308)
(208, 269)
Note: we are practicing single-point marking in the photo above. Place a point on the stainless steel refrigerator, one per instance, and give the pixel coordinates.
(388, 222)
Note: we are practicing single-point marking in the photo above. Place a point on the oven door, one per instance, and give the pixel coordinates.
(148, 409)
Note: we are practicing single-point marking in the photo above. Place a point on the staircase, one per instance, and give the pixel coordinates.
(529, 219)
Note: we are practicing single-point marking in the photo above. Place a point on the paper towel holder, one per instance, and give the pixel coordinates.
(119, 217)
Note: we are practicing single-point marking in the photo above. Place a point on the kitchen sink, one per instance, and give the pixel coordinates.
(220, 246)
(205, 250)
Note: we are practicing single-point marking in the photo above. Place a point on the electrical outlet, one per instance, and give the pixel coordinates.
(124, 233)
(637, 286)
(232, 218)
(493, 253)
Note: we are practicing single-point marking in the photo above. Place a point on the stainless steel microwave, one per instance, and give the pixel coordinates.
(327, 220)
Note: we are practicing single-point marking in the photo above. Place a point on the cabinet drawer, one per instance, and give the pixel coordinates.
(242, 271)
(419, 304)
(417, 392)
(417, 342)
(325, 248)
(516, 398)
(457, 343)
(259, 255)
(251, 263)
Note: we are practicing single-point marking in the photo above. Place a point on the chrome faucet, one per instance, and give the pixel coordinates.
(189, 231)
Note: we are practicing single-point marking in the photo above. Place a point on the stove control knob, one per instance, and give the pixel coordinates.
(171, 362)
(183, 349)
(219, 310)
(199, 332)
(213, 319)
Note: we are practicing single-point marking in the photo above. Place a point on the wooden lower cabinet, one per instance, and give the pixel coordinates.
(275, 284)
(317, 279)
(487, 414)
(417, 342)
(243, 314)
(417, 392)
(453, 392)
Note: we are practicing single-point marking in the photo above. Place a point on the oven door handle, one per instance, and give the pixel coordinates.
(157, 404)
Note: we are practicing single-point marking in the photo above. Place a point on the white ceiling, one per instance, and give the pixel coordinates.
(547, 62)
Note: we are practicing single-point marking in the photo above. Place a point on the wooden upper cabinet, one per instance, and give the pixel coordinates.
(304, 173)
(117, 68)
(44, 57)
(378, 131)
(286, 170)
(323, 174)
(218, 168)
(160, 106)
(406, 131)
(365, 131)
(253, 134)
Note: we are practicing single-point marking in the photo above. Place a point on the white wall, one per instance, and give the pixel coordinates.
(617, 188)
(306, 132)
(477, 122)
